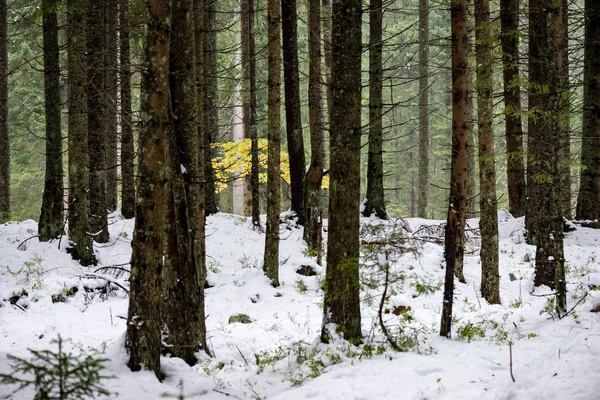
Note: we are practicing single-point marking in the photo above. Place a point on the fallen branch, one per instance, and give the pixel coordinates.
(108, 279)
(511, 369)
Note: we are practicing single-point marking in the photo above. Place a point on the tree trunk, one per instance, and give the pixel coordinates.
(110, 102)
(80, 246)
(342, 296)
(488, 224)
(314, 175)
(271, 259)
(589, 185)
(4, 135)
(254, 173)
(211, 129)
(293, 121)
(51, 217)
(326, 18)
(565, 128)
(127, 147)
(143, 339)
(454, 240)
(97, 142)
(423, 195)
(375, 198)
(509, 20)
(183, 290)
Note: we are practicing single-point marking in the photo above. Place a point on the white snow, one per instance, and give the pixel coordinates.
(552, 358)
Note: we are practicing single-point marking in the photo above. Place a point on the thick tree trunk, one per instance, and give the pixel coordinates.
(588, 201)
(454, 241)
(211, 129)
(271, 258)
(314, 175)
(79, 202)
(342, 297)
(143, 339)
(4, 135)
(110, 102)
(509, 20)
(375, 198)
(127, 147)
(51, 217)
(423, 194)
(488, 224)
(183, 290)
(97, 142)
(326, 19)
(293, 121)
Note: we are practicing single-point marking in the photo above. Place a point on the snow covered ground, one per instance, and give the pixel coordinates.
(278, 354)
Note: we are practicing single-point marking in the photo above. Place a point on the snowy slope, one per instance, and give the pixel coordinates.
(278, 355)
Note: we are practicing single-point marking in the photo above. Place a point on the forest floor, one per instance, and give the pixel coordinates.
(278, 354)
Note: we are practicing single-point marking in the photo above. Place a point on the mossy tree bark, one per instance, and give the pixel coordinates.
(424, 176)
(271, 257)
(80, 245)
(342, 294)
(183, 275)
(375, 202)
(211, 129)
(111, 67)
(293, 121)
(4, 134)
(488, 205)
(97, 142)
(127, 147)
(314, 175)
(51, 217)
(588, 201)
(515, 170)
(143, 339)
(454, 240)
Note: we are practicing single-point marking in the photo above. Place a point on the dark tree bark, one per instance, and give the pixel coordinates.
(454, 240)
(488, 224)
(79, 202)
(342, 294)
(183, 276)
(515, 170)
(143, 340)
(95, 116)
(293, 121)
(127, 148)
(565, 128)
(4, 135)
(423, 194)
(588, 201)
(326, 19)
(211, 129)
(111, 16)
(271, 259)
(51, 217)
(544, 215)
(314, 175)
(375, 198)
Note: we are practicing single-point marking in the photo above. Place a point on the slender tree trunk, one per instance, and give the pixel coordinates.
(211, 129)
(79, 202)
(4, 135)
(423, 195)
(454, 241)
(589, 183)
(326, 18)
(488, 224)
(245, 21)
(271, 260)
(509, 20)
(314, 175)
(342, 297)
(565, 116)
(97, 142)
(127, 147)
(111, 16)
(254, 173)
(375, 198)
(143, 339)
(183, 291)
(51, 217)
(293, 121)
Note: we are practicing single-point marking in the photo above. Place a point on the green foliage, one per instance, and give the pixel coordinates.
(469, 330)
(58, 375)
(301, 286)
